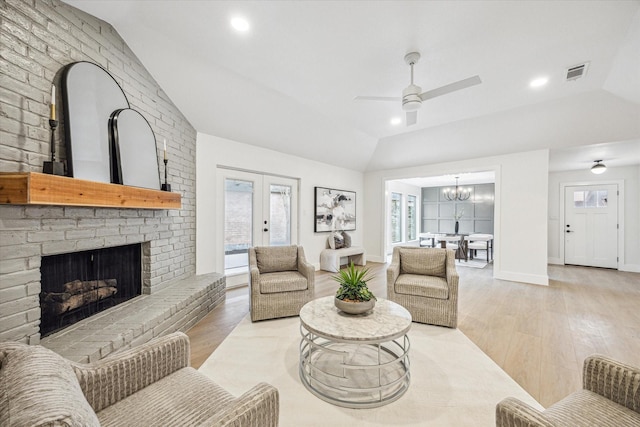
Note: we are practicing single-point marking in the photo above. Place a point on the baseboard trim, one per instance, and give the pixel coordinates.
(631, 268)
(237, 280)
(376, 258)
(521, 277)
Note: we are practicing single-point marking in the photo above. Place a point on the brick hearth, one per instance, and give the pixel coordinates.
(177, 307)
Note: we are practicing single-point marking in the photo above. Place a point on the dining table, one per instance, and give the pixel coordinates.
(443, 238)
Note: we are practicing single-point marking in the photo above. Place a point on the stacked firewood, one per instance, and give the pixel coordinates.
(78, 293)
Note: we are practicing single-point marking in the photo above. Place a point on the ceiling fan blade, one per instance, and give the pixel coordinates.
(377, 98)
(412, 118)
(451, 87)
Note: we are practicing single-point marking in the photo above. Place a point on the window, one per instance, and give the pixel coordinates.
(590, 199)
(396, 217)
(411, 218)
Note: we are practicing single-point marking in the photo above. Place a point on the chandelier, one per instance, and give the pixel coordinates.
(457, 193)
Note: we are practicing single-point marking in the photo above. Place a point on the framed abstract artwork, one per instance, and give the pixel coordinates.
(334, 210)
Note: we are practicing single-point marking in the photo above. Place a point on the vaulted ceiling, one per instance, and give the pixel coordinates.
(288, 83)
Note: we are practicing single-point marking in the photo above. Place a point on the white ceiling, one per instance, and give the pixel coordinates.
(289, 83)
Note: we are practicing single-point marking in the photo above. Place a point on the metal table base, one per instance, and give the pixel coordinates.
(354, 374)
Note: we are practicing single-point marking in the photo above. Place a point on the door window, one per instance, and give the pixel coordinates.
(590, 199)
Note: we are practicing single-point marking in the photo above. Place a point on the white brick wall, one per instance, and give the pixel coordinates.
(37, 39)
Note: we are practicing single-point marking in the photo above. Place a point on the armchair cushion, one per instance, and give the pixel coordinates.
(424, 286)
(586, 408)
(276, 258)
(150, 406)
(35, 375)
(432, 263)
(148, 385)
(609, 397)
(282, 281)
(477, 245)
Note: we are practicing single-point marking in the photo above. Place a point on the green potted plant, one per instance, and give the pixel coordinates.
(353, 295)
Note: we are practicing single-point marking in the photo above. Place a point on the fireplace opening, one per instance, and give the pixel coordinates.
(80, 284)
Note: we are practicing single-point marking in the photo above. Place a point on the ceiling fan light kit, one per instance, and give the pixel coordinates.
(411, 98)
(412, 95)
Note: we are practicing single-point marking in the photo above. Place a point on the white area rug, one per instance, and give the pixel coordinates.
(453, 383)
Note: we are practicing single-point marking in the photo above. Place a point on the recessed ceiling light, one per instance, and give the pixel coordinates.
(540, 81)
(396, 121)
(240, 24)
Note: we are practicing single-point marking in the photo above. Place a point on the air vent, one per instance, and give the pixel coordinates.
(577, 71)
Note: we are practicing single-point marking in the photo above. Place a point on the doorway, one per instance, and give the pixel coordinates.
(258, 210)
(591, 225)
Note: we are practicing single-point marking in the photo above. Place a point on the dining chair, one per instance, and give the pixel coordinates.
(483, 242)
(432, 239)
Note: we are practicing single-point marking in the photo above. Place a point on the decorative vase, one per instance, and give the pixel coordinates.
(457, 226)
(355, 307)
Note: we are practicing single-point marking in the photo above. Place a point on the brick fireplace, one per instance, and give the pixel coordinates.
(41, 37)
(77, 285)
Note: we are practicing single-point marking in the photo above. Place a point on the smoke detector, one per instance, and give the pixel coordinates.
(577, 71)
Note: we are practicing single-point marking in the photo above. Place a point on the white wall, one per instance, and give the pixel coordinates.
(212, 151)
(630, 217)
(405, 190)
(520, 210)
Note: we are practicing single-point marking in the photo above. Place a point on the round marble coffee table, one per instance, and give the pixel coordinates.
(355, 361)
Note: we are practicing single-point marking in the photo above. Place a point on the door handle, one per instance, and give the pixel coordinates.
(569, 231)
(265, 229)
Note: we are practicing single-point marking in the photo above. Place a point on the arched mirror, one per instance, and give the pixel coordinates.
(134, 146)
(91, 96)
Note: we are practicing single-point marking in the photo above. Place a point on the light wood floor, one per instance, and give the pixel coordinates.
(539, 335)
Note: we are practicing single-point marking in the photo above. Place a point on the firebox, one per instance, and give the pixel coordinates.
(80, 284)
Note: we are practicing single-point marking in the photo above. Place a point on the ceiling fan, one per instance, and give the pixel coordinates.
(411, 96)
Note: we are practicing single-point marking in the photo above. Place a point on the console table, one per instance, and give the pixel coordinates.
(330, 258)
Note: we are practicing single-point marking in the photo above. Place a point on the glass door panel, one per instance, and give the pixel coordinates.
(280, 215)
(238, 223)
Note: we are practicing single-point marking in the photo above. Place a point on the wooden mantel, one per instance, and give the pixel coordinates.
(32, 188)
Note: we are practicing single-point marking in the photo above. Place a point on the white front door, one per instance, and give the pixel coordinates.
(591, 225)
(259, 210)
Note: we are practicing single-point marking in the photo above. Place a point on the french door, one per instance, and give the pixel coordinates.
(258, 210)
(591, 225)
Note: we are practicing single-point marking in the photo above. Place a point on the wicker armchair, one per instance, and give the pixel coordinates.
(281, 281)
(425, 282)
(148, 385)
(610, 396)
